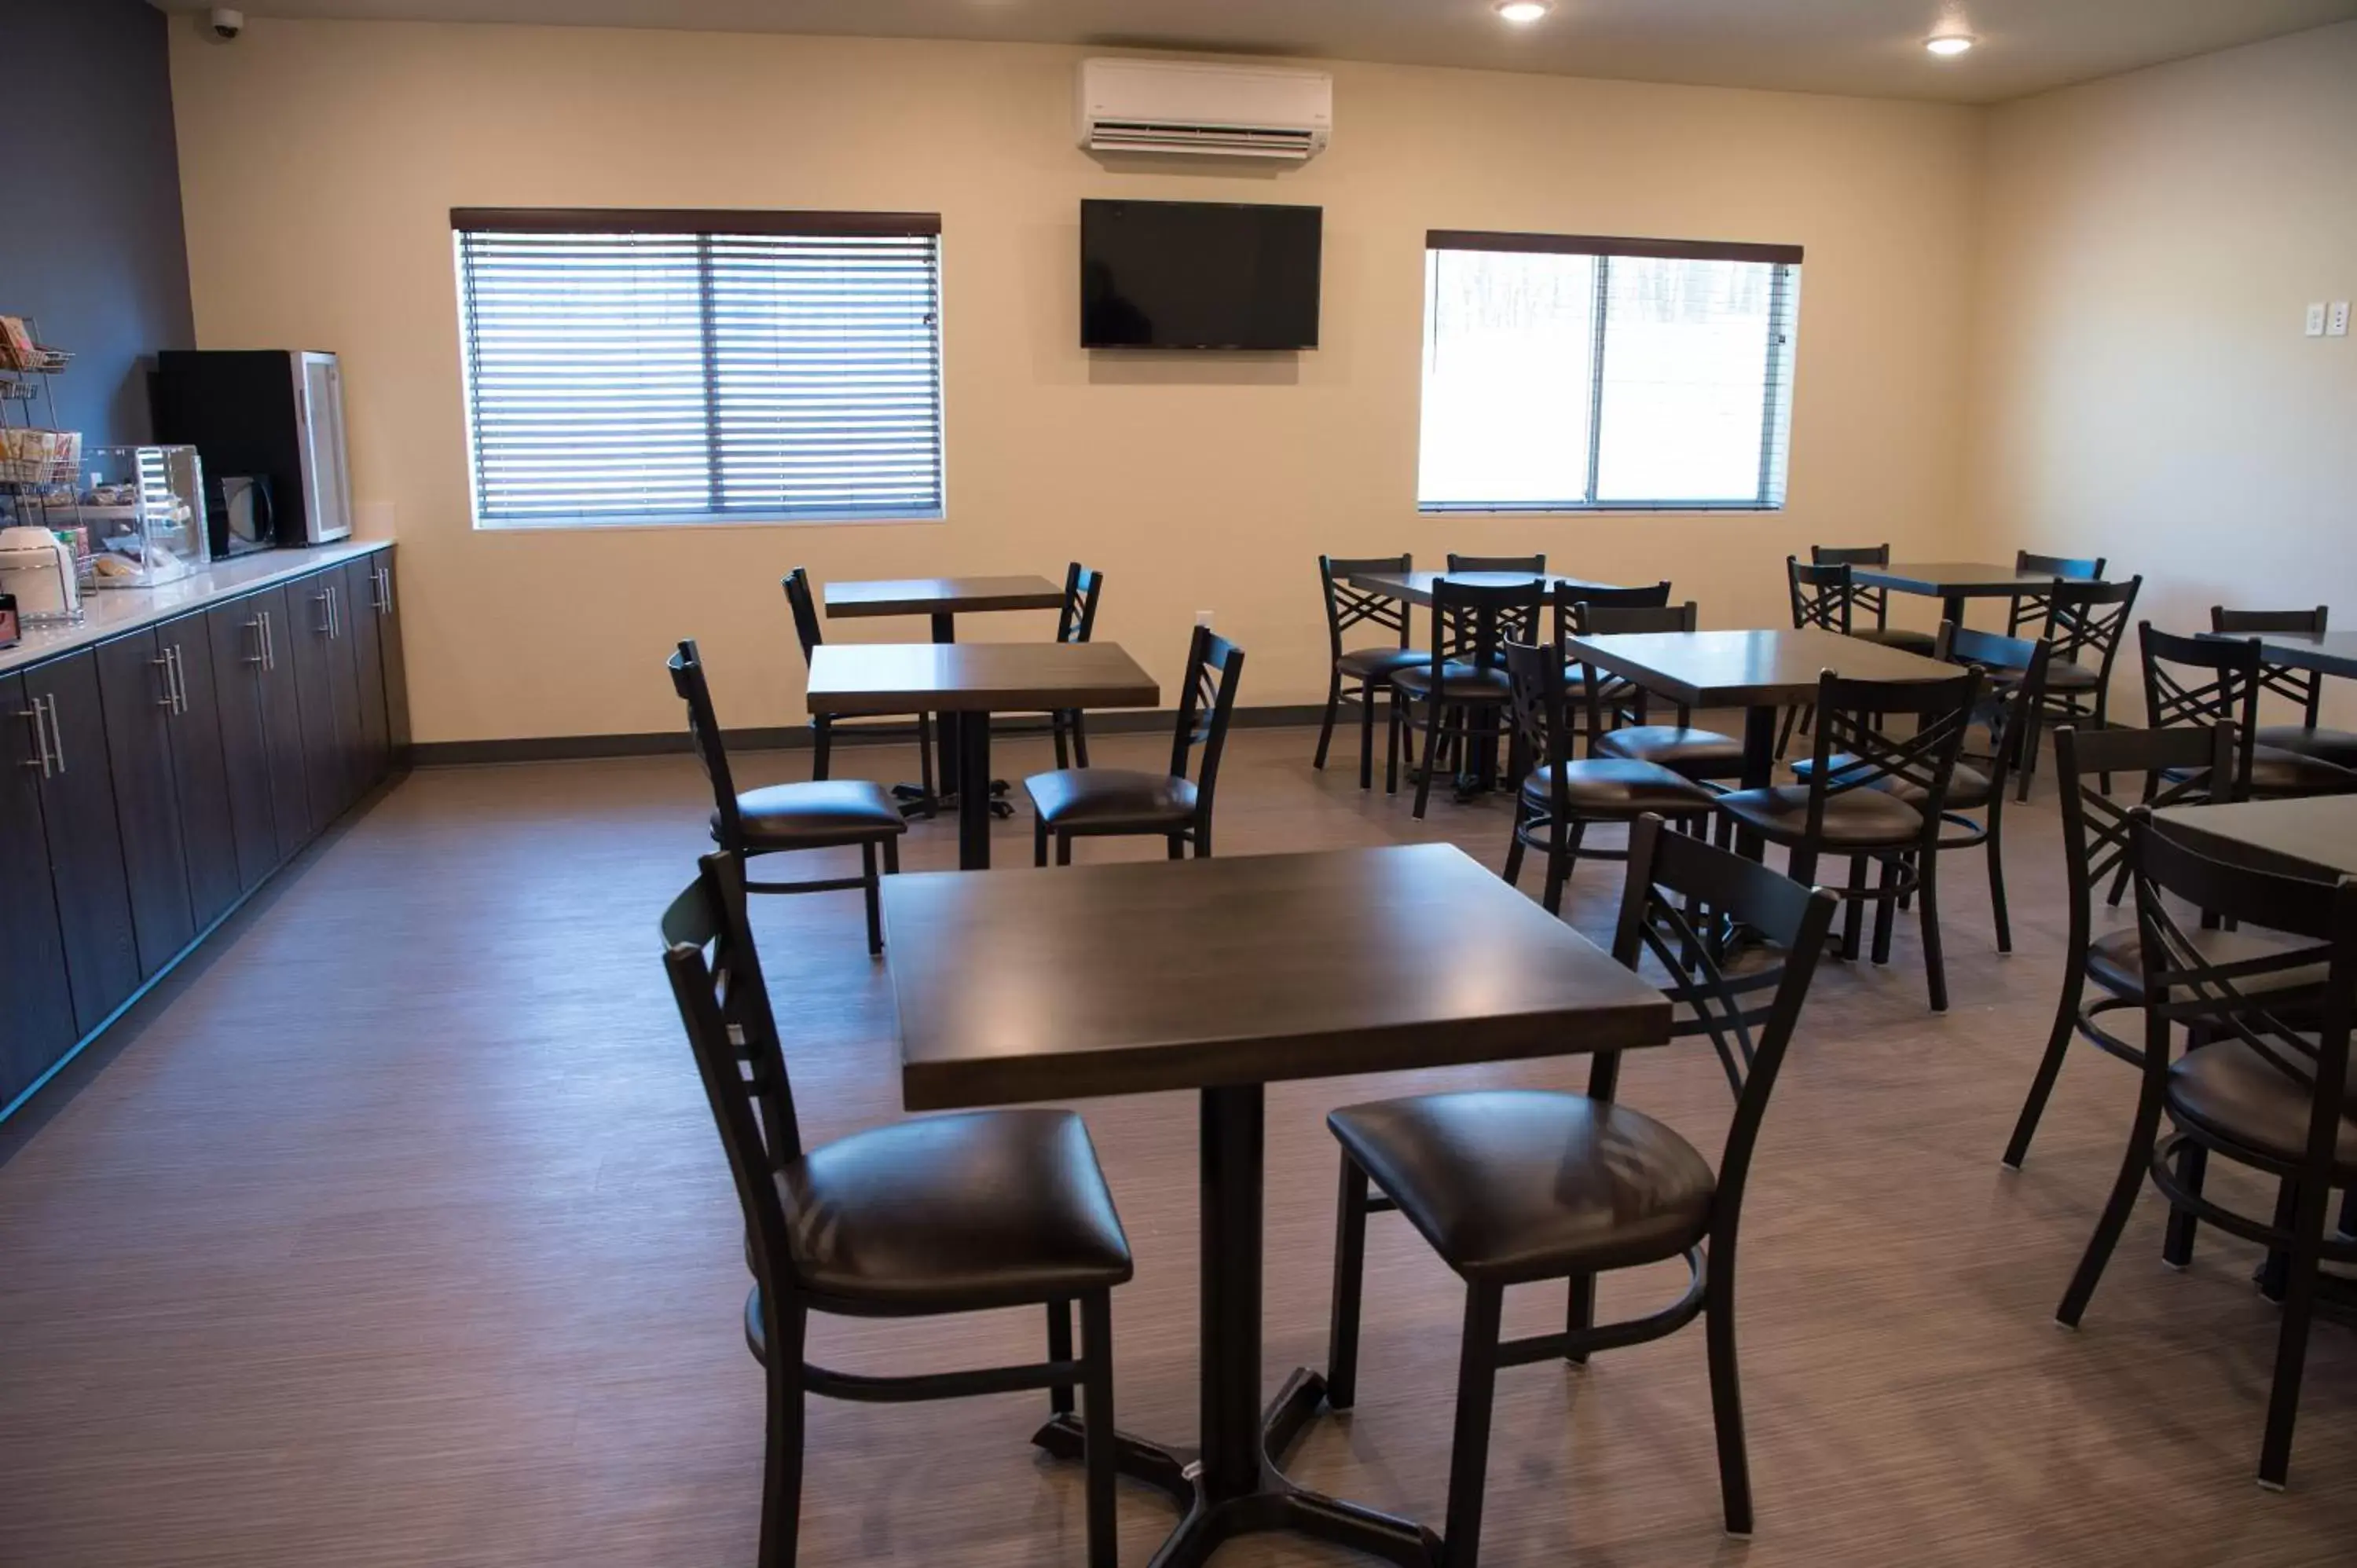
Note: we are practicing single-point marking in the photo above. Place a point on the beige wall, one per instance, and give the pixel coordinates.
(319, 161)
(2145, 391)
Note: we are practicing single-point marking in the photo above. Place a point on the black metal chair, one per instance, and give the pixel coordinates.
(2094, 851)
(2303, 687)
(1825, 598)
(2258, 1083)
(916, 1219)
(1459, 693)
(1074, 623)
(1515, 1186)
(1871, 601)
(2084, 623)
(1356, 674)
(1621, 721)
(820, 814)
(1858, 810)
(824, 729)
(1519, 630)
(1569, 596)
(1561, 797)
(2210, 681)
(1102, 802)
(2031, 610)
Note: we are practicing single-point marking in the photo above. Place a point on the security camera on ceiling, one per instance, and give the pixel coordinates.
(226, 24)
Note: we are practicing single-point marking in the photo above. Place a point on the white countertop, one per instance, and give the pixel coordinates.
(113, 611)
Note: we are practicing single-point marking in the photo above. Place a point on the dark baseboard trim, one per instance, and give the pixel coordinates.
(579, 747)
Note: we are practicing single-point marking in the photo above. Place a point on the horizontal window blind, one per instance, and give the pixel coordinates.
(1568, 373)
(622, 374)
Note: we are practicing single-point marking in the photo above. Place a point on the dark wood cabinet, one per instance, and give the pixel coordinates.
(234, 633)
(298, 818)
(200, 768)
(85, 843)
(360, 612)
(322, 699)
(139, 695)
(37, 1012)
(397, 669)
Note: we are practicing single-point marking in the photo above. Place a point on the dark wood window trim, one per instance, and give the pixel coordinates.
(688, 221)
(1605, 245)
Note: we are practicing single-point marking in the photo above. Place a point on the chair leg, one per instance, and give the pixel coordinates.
(1580, 1313)
(2274, 1270)
(1994, 849)
(1098, 1445)
(2103, 721)
(821, 747)
(781, 1467)
(932, 801)
(1784, 734)
(1854, 917)
(2115, 1218)
(1349, 1271)
(2049, 1068)
(1935, 967)
(1391, 746)
(2291, 1344)
(1563, 848)
(2176, 1244)
(1468, 1448)
(1039, 841)
(1079, 725)
(1726, 1393)
(1883, 906)
(1433, 732)
(1367, 735)
(875, 905)
(1522, 817)
(1059, 1348)
(1178, 846)
(1325, 729)
(1064, 748)
(1063, 849)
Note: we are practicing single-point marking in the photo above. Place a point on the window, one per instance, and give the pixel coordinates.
(683, 367)
(1562, 373)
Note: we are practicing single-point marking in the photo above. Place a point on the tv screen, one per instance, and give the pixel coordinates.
(1198, 274)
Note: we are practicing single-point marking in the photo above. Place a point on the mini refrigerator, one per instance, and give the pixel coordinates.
(274, 414)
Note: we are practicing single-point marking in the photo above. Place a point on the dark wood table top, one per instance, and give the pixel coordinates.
(1416, 587)
(942, 595)
(1750, 668)
(1139, 976)
(1952, 579)
(2330, 652)
(2316, 836)
(859, 678)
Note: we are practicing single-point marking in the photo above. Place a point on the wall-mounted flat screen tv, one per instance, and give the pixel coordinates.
(1198, 275)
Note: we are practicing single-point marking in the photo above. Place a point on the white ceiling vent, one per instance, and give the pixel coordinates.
(1217, 110)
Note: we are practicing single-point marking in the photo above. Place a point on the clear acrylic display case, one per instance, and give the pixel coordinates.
(144, 509)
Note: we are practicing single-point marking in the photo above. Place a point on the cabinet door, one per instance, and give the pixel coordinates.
(291, 809)
(85, 846)
(234, 630)
(314, 653)
(202, 769)
(135, 688)
(363, 635)
(396, 671)
(37, 1012)
(344, 685)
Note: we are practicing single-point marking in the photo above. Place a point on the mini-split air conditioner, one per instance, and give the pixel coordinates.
(1215, 111)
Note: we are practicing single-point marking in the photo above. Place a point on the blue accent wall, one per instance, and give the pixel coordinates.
(92, 245)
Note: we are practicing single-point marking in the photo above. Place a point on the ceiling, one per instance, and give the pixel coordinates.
(1872, 48)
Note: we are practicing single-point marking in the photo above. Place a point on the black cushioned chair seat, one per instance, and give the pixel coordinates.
(961, 1212)
(2061, 675)
(811, 815)
(1375, 663)
(2230, 1089)
(2115, 961)
(1860, 819)
(1111, 798)
(1968, 788)
(1458, 683)
(1525, 1185)
(1617, 784)
(2274, 772)
(2338, 746)
(1674, 745)
(1914, 641)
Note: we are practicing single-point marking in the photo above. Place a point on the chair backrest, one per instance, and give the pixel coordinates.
(1569, 596)
(716, 979)
(1498, 562)
(2006, 714)
(1078, 618)
(1822, 595)
(2304, 687)
(1471, 621)
(1347, 605)
(2031, 608)
(1850, 720)
(805, 608)
(1877, 600)
(2096, 827)
(1540, 710)
(1749, 1019)
(686, 668)
(2306, 1041)
(1214, 665)
(2202, 681)
(1611, 701)
(2087, 621)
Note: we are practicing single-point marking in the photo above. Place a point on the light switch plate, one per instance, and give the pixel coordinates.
(2339, 326)
(2315, 318)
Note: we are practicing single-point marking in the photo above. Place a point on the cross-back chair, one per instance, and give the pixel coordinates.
(1870, 601)
(2303, 688)
(2084, 623)
(824, 729)
(1356, 674)
(1458, 693)
(2207, 681)
(1619, 718)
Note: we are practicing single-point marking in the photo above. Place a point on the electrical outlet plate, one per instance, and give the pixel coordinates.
(2339, 325)
(2315, 318)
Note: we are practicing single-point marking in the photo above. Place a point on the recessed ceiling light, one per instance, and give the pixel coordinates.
(1523, 13)
(1949, 43)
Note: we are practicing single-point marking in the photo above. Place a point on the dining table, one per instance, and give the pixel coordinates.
(971, 681)
(2326, 652)
(1220, 977)
(1952, 582)
(2314, 836)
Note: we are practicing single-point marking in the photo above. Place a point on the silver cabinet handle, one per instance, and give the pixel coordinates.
(169, 700)
(179, 681)
(40, 740)
(254, 626)
(56, 737)
(384, 589)
(269, 644)
(326, 600)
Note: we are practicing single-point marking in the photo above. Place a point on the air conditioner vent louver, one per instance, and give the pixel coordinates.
(1163, 106)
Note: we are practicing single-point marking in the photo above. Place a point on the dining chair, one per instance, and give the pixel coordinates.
(1623, 709)
(823, 728)
(1104, 803)
(1857, 811)
(2085, 624)
(1519, 630)
(1520, 1186)
(1565, 599)
(2303, 687)
(826, 813)
(2210, 681)
(918, 1218)
(2256, 1084)
(1823, 597)
(1874, 601)
(1459, 693)
(1356, 674)
(1075, 620)
(2186, 762)
(2030, 608)
(1562, 796)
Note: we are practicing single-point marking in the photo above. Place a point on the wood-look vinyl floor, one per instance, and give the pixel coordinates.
(395, 1233)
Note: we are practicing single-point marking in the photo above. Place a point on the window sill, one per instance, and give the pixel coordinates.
(667, 523)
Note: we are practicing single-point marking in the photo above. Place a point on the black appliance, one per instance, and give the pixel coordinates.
(237, 507)
(269, 413)
(1198, 275)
